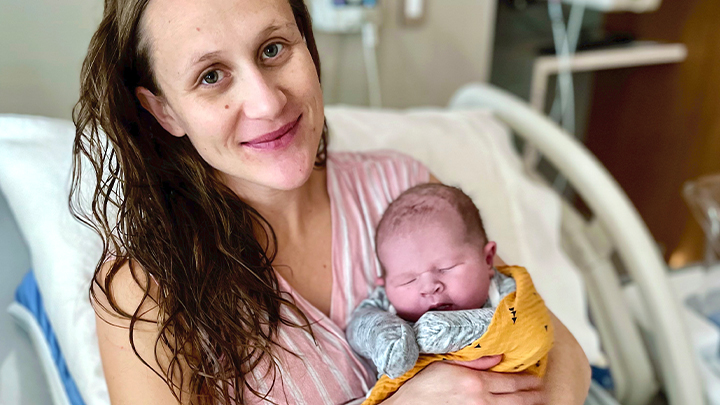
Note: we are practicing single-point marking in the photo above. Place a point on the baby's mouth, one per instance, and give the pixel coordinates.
(440, 307)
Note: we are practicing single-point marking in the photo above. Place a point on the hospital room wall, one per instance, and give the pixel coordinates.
(43, 42)
(42, 45)
(419, 64)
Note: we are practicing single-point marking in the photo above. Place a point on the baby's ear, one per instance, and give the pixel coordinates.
(489, 253)
(379, 282)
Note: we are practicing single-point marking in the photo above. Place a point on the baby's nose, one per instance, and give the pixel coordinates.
(432, 286)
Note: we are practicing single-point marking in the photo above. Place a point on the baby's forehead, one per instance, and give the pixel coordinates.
(414, 211)
(416, 214)
(414, 234)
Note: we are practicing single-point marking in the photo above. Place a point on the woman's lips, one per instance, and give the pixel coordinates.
(276, 139)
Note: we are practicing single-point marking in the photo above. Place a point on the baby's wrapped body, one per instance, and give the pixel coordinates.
(519, 328)
(442, 298)
(393, 344)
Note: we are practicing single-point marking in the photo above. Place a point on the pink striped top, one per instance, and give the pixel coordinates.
(361, 185)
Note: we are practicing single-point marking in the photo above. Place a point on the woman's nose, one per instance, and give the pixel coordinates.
(262, 99)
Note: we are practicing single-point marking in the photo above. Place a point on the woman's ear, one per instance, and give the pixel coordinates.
(489, 252)
(158, 107)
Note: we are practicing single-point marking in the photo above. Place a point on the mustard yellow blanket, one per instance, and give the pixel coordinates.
(520, 330)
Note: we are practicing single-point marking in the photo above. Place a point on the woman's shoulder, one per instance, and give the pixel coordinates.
(123, 287)
(137, 362)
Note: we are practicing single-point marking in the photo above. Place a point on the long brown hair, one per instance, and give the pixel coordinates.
(162, 210)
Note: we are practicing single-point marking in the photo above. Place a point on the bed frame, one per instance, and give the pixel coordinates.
(616, 227)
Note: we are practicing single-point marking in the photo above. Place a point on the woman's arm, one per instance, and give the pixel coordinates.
(129, 380)
(567, 379)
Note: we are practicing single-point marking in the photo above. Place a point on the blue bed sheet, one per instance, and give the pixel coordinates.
(28, 295)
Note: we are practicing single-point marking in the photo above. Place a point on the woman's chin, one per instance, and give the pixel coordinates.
(275, 172)
(287, 182)
(298, 173)
(288, 176)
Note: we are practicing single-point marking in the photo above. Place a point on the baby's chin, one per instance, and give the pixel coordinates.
(413, 317)
(410, 317)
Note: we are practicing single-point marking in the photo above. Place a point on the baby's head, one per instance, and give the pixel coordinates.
(433, 248)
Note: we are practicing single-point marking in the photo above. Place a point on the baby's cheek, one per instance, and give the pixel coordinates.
(469, 296)
(406, 307)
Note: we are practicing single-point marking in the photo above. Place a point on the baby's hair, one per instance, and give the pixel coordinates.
(419, 203)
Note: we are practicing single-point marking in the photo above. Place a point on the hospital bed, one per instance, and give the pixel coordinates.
(479, 120)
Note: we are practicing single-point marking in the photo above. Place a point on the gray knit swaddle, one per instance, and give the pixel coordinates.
(393, 344)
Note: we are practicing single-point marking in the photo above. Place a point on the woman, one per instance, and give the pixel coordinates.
(214, 197)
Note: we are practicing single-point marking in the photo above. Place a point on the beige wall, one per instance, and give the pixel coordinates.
(420, 64)
(43, 42)
(42, 45)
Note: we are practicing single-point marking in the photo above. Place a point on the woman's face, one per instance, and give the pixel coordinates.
(237, 78)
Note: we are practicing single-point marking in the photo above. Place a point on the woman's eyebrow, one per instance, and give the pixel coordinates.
(204, 57)
(267, 31)
(272, 28)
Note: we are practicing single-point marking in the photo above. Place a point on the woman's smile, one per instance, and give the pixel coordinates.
(277, 139)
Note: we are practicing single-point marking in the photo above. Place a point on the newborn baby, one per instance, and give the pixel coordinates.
(439, 291)
(432, 246)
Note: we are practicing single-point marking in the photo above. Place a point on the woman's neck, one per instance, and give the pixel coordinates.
(290, 212)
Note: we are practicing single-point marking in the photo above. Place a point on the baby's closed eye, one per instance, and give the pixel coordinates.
(407, 282)
(448, 268)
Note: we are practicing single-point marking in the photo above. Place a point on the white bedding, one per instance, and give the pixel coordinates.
(468, 148)
(22, 381)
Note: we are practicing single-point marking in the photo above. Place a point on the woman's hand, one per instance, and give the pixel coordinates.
(446, 383)
(566, 381)
(483, 363)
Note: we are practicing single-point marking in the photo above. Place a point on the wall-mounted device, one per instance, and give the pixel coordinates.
(343, 16)
(637, 6)
(351, 17)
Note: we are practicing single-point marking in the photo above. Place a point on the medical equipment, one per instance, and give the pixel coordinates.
(703, 197)
(413, 10)
(349, 17)
(565, 39)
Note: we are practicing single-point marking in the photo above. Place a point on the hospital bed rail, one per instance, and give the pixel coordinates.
(629, 236)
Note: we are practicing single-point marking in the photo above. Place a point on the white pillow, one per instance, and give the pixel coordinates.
(35, 164)
(466, 148)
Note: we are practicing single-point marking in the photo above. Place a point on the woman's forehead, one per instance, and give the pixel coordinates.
(177, 27)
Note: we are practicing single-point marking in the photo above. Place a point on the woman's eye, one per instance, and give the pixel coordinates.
(212, 77)
(272, 51)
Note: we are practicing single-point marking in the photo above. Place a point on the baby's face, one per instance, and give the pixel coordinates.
(436, 267)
